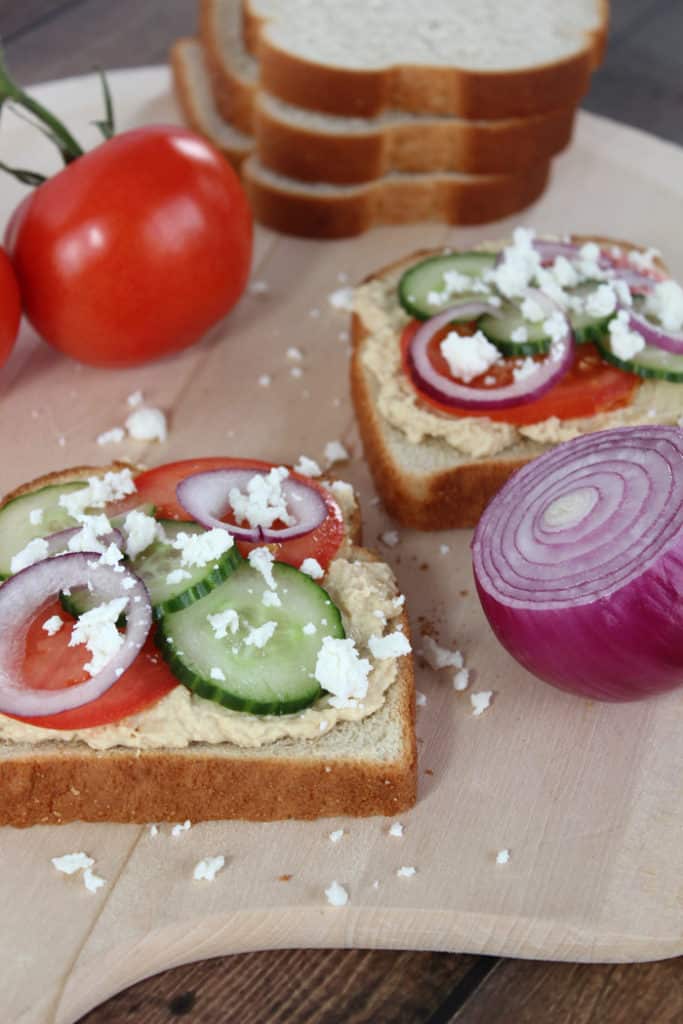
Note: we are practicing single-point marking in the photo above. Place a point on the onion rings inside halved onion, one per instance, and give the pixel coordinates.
(578, 561)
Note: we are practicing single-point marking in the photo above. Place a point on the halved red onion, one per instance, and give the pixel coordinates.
(655, 334)
(205, 496)
(21, 598)
(58, 543)
(578, 562)
(448, 391)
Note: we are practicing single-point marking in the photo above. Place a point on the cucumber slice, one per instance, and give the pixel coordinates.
(584, 326)
(500, 328)
(154, 565)
(275, 679)
(652, 362)
(428, 276)
(16, 528)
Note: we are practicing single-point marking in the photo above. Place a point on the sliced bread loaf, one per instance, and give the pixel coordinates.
(500, 59)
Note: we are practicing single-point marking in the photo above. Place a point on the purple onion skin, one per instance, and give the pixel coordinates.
(624, 647)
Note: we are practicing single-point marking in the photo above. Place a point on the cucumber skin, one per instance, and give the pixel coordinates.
(416, 310)
(646, 372)
(213, 692)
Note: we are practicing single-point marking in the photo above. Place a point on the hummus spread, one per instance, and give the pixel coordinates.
(365, 593)
(477, 437)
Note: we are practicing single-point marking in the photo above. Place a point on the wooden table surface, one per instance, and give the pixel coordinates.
(640, 84)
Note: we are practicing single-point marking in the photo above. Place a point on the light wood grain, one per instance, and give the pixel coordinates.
(587, 797)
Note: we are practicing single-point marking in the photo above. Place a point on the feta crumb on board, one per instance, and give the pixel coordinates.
(336, 835)
(461, 679)
(113, 436)
(342, 299)
(258, 288)
(396, 829)
(307, 467)
(92, 881)
(420, 699)
(135, 399)
(406, 872)
(147, 424)
(296, 372)
(207, 869)
(264, 380)
(295, 355)
(438, 657)
(336, 894)
(390, 538)
(70, 863)
(153, 830)
(335, 452)
(178, 830)
(503, 856)
(480, 701)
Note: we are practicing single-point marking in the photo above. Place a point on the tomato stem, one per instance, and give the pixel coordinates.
(106, 125)
(56, 131)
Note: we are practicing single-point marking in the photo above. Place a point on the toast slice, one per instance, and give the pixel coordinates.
(358, 768)
(498, 60)
(310, 146)
(424, 481)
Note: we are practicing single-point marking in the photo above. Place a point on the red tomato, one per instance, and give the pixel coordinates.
(158, 486)
(50, 664)
(135, 249)
(10, 307)
(591, 386)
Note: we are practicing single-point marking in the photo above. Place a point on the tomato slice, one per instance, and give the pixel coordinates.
(591, 386)
(50, 664)
(158, 486)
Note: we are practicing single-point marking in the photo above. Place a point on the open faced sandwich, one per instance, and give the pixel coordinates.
(201, 640)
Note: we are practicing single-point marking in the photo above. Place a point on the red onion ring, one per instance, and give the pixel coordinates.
(578, 562)
(22, 596)
(446, 390)
(204, 496)
(653, 334)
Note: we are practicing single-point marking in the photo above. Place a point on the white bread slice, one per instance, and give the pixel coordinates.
(310, 146)
(357, 769)
(509, 58)
(429, 485)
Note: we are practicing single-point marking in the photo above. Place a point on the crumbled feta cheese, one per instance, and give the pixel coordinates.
(454, 283)
(624, 342)
(480, 701)
(207, 869)
(113, 436)
(602, 302)
(70, 863)
(335, 452)
(88, 537)
(140, 530)
(97, 492)
(198, 549)
(393, 645)
(295, 355)
(440, 657)
(309, 629)
(217, 674)
(135, 399)
(178, 830)
(461, 679)
(112, 556)
(444, 549)
(312, 568)
(35, 551)
(590, 252)
(468, 356)
(336, 835)
(261, 559)
(564, 273)
(258, 636)
(643, 261)
(527, 368)
(518, 265)
(264, 380)
(555, 327)
(296, 372)
(307, 467)
(520, 334)
(92, 881)
(264, 503)
(96, 629)
(154, 830)
(35, 516)
(53, 625)
(342, 298)
(342, 491)
(421, 699)
(532, 310)
(342, 672)
(258, 288)
(270, 599)
(406, 872)
(665, 303)
(390, 538)
(396, 829)
(314, 313)
(336, 895)
(147, 425)
(623, 292)
(502, 857)
(177, 576)
(223, 621)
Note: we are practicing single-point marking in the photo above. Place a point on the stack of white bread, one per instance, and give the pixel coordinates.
(344, 114)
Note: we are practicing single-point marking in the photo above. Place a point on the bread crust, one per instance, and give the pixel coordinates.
(394, 199)
(454, 497)
(54, 782)
(432, 90)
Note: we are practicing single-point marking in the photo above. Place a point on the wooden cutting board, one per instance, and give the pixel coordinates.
(587, 797)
